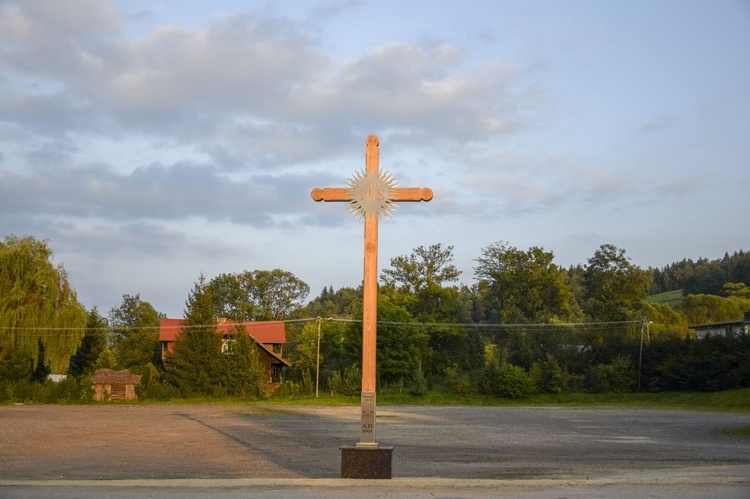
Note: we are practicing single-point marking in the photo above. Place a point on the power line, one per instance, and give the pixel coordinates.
(486, 326)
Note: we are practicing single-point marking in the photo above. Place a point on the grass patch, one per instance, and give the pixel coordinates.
(725, 401)
(671, 298)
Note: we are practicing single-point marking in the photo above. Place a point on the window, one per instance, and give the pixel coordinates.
(227, 345)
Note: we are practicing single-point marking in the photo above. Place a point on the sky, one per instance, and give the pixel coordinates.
(150, 142)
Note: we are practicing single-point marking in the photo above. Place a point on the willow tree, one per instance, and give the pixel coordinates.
(37, 303)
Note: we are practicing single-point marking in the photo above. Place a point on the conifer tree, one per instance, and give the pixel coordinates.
(94, 343)
(14, 365)
(244, 372)
(42, 369)
(196, 364)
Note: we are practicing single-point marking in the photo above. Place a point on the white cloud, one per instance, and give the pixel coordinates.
(166, 131)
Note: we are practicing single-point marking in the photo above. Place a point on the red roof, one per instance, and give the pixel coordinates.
(271, 332)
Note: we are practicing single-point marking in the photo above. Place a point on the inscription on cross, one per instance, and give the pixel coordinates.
(370, 195)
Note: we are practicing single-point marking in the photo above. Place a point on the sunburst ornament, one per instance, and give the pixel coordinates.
(372, 194)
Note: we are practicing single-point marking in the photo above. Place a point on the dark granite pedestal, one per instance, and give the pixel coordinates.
(366, 462)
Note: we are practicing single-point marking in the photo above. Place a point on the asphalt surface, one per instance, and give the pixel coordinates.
(284, 451)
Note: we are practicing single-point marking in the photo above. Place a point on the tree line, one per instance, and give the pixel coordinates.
(526, 325)
(704, 276)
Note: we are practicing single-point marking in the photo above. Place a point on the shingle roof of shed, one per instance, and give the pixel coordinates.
(110, 377)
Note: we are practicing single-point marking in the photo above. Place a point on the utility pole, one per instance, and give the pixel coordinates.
(645, 324)
(317, 361)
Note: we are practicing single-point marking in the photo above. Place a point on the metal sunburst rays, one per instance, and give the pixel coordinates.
(372, 193)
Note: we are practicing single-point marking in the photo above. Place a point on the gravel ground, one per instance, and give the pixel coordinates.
(608, 446)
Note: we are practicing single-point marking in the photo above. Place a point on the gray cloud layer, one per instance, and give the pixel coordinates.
(113, 144)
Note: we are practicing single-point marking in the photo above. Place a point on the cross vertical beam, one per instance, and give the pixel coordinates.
(371, 195)
(370, 308)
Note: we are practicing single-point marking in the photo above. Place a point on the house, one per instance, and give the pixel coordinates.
(269, 337)
(728, 328)
(114, 385)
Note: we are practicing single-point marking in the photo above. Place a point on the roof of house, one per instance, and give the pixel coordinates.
(110, 377)
(739, 322)
(736, 322)
(267, 332)
(264, 333)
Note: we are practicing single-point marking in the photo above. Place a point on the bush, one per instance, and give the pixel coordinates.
(617, 376)
(349, 384)
(307, 383)
(506, 381)
(67, 391)
(515, 383)
(419, 385)
(548, 377)
(713, 363)
(456, 381)
(291, 389)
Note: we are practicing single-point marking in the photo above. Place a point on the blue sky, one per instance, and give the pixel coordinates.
(152, 141)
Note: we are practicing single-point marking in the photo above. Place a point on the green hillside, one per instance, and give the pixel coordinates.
(670, 298)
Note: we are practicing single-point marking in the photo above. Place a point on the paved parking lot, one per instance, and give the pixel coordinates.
(448, 447)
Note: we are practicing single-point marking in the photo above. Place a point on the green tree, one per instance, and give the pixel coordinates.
(704, 309)
(14, 365)
(136, 326)
(737, 267)
(423, 268)
(245, 375)
(522, 286)
(273, 294)
(196, 366)
(345, 302)
(665, 320)
(708, 278)
(400, 345)
(231, 300)
(736, 289)
(613, 287)
(419, 279)
(302, 348)
(37, 302)
(93, 344)
(418, 284)
(304, 357)
(42, 369)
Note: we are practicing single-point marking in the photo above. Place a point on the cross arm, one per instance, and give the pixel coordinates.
(411, 194)
(401, 194)
(331, 194)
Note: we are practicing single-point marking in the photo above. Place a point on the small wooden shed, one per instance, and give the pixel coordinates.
(114, 385)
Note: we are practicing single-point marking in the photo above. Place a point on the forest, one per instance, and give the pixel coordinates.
(525, 326)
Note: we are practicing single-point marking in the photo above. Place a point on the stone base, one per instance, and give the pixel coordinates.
(363, 462)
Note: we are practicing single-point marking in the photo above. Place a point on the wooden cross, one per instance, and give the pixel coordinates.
(370, 196)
